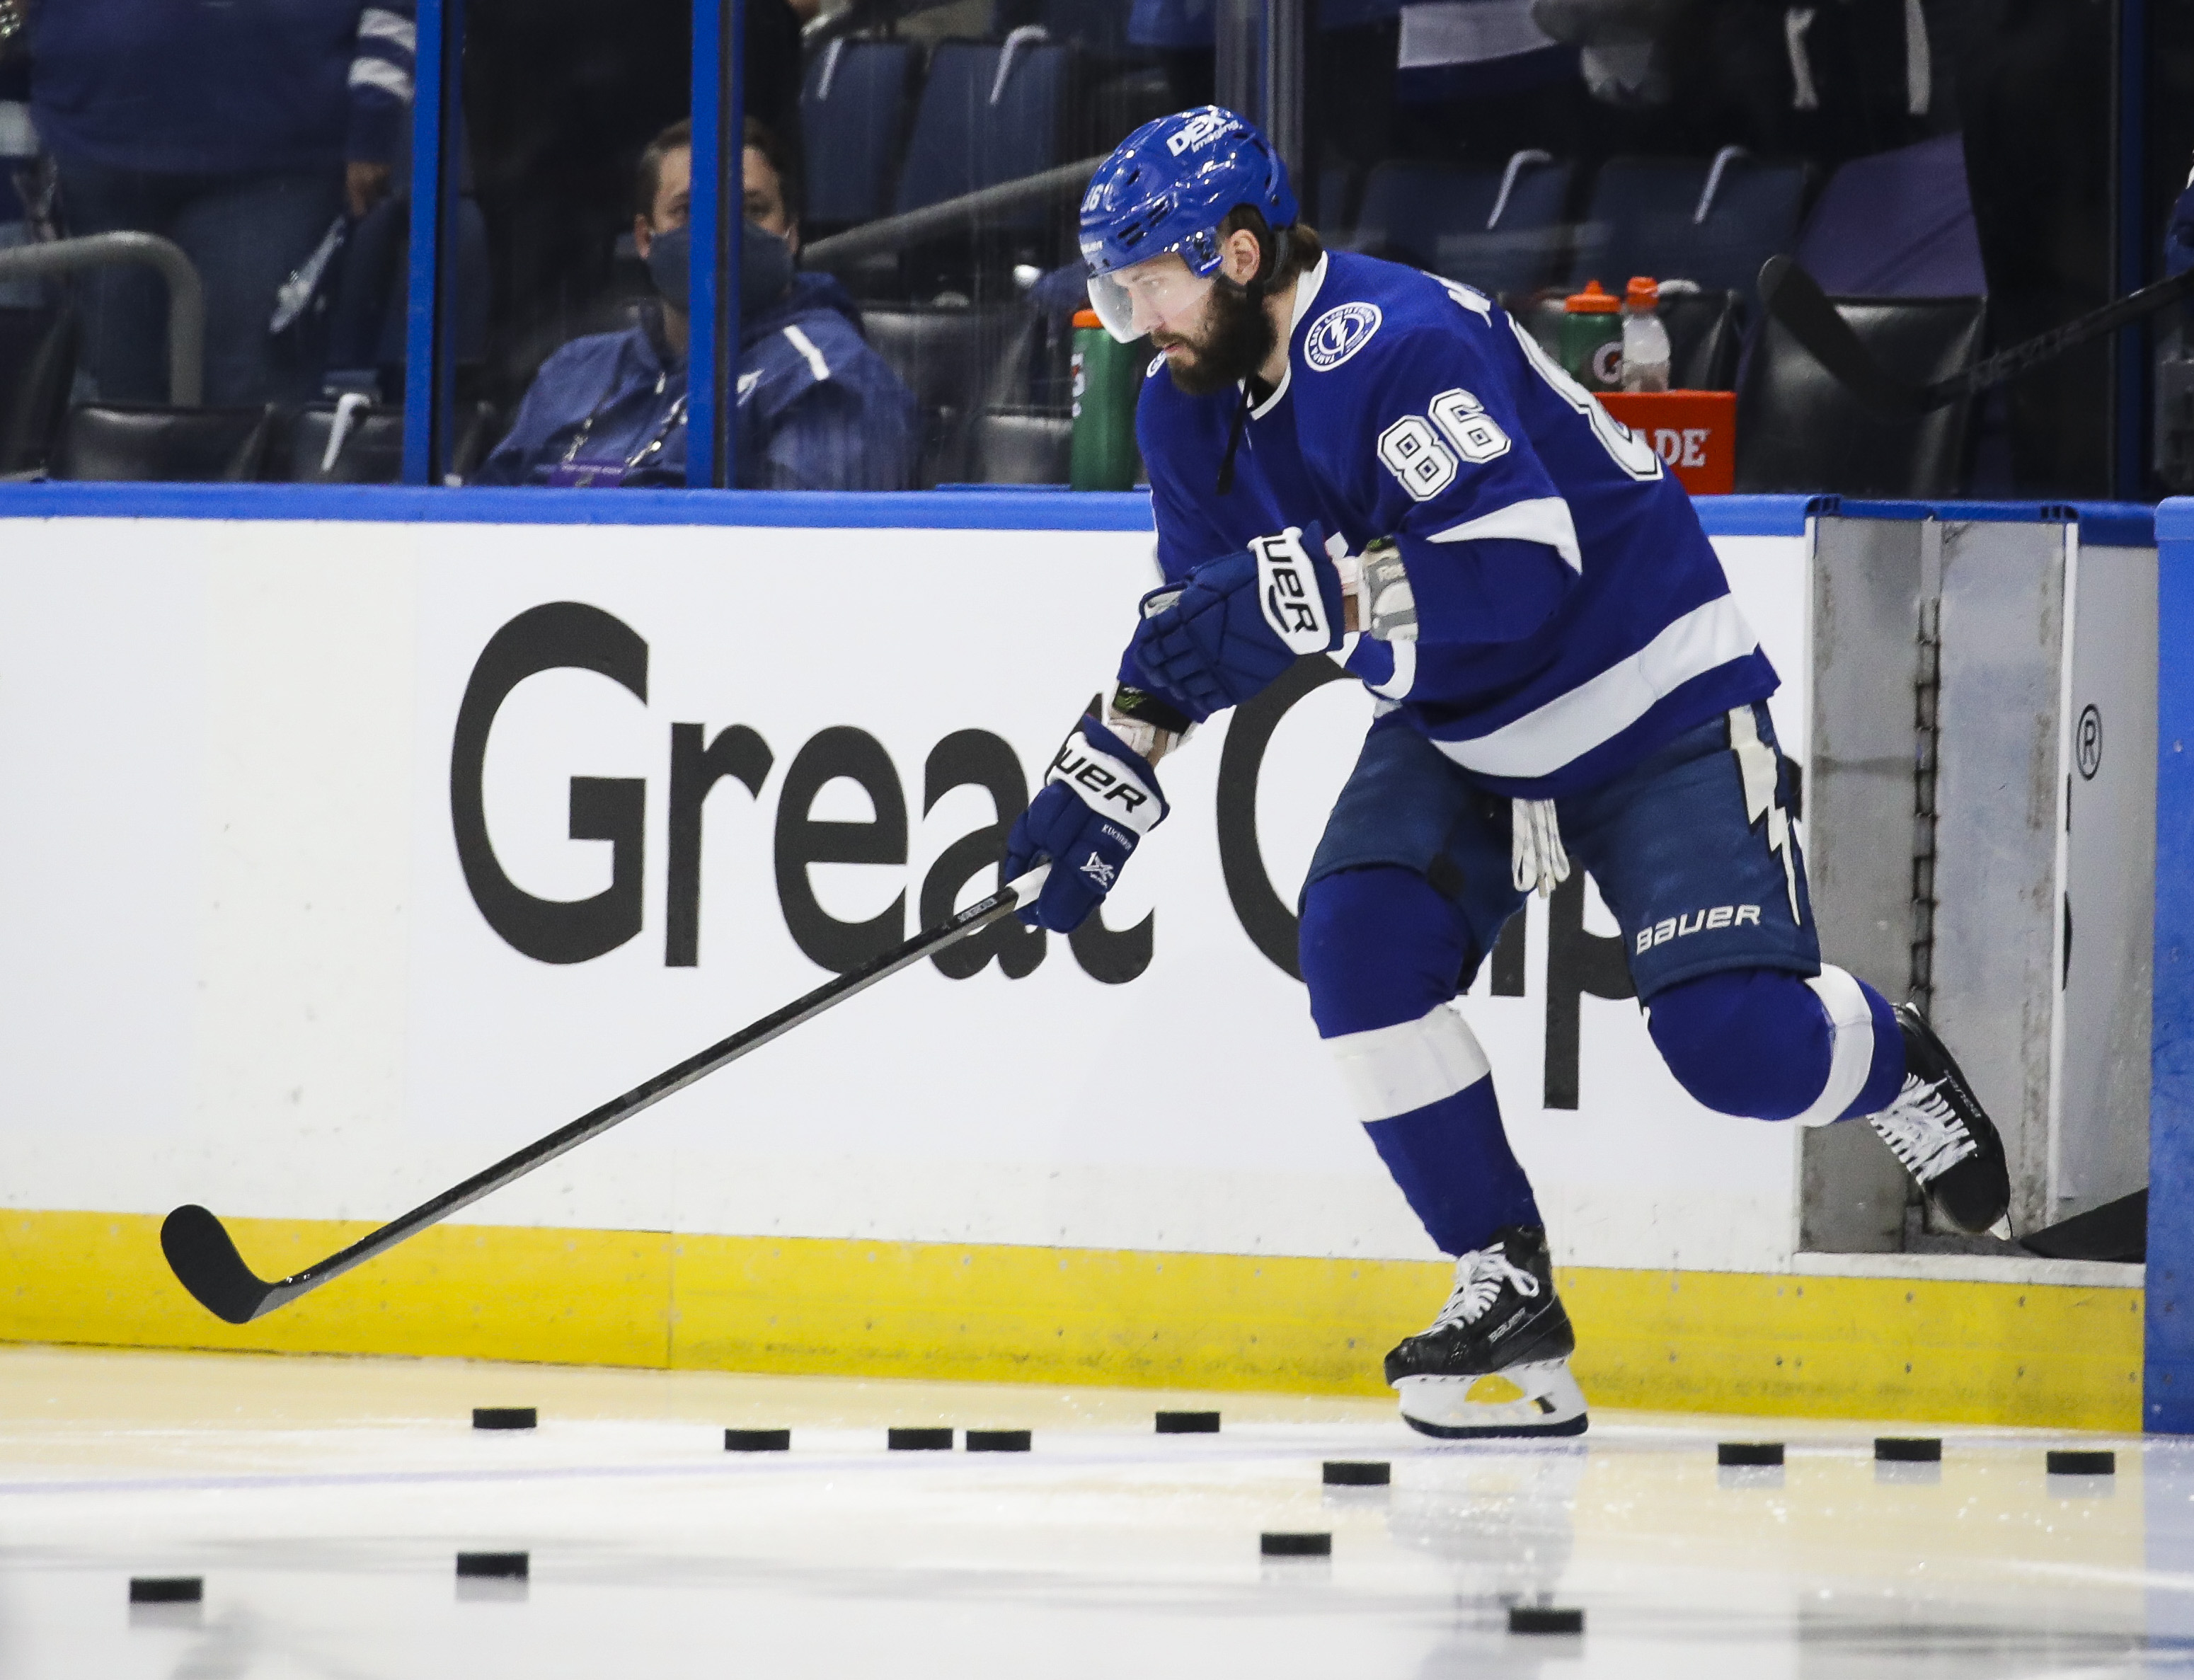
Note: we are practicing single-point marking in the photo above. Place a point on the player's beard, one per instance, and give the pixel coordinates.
(1236, 337)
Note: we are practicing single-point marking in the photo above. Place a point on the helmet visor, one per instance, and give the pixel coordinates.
(1158, 294)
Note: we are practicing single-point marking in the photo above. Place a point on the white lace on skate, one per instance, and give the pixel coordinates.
(1479, 1276)
(1923, 1131)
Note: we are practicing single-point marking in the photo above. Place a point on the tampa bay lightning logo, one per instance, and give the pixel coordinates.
(1339, 334)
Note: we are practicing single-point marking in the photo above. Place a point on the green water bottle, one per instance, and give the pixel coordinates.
(1105, 385)
(1592, 338)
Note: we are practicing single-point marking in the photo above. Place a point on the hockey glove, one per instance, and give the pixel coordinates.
(1098, 802)
(1241, 621)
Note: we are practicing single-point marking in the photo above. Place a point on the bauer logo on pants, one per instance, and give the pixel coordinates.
(1679, 927)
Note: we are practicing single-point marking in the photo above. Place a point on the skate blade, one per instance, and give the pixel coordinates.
(2001, 1228)
(1523, 1401)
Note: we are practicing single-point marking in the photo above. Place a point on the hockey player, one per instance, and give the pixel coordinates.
(1349, 455)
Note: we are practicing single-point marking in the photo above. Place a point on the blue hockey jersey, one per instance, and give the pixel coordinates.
(1572, 615)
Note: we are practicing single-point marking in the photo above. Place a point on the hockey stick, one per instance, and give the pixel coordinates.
(203, 1258)
(1795, 298)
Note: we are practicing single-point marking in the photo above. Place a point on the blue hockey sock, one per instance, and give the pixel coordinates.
(1452, 1161)
(1770, 1045)
(1381, 951)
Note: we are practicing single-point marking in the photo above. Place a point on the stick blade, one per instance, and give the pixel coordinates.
(205, 1262)
(1795, 299)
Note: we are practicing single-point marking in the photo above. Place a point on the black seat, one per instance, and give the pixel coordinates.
(941, 354)
(38, 365)
(1798, 429)
(1706, 332)
(330, 443)
(1024, 446)
(147, 442)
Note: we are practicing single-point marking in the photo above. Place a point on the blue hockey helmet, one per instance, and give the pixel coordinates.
(1165, 189)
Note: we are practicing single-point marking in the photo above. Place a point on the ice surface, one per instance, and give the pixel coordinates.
(323, 1501)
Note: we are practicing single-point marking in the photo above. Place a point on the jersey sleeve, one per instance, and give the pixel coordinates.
(1449, 473)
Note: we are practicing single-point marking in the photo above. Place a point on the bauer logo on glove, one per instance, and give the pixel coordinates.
(1105, 783)
(1288, 590)
(1098, 802)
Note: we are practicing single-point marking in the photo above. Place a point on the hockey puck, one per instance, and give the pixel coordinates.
(504, 1566)
(2083, 1463)
(1188, 1423)
(1344, 1473)
(505, 1417)
(166, 1588)
(919, 1440)
(757, 1441)
(1908, 1449)
(998, 1441)
(1747, 1454)
(1296, 1545)
(1544, 1618)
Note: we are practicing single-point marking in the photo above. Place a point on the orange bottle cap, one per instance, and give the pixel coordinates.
(1592, 301)
(1641, 293)
(1087, 317)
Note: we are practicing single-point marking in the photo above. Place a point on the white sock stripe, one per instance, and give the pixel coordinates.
(1392, 1070)
(1852, 1023)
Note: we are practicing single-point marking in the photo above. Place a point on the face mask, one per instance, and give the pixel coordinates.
(670, 266)
(765, 267)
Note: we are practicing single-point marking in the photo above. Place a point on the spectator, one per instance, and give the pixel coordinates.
(816, 408)
(239, 132)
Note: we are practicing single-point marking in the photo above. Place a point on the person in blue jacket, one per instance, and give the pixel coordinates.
(239, 132)
(816, 408)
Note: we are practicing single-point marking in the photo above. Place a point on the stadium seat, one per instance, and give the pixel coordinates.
(989, 113)
(1097, 26)
(1496, 229)
(1798, 429)
(38, 365)
(147, 442)
(348, 442)
(1676, 219)
(1898, 224)
(1023, 446)
(853, 109)
(944, 356)
(1706, 334)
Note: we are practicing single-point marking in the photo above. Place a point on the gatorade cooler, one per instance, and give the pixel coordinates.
(1693, 431)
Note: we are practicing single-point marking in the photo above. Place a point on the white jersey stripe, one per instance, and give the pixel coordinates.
(1570, 726)
(375, 24)
(374, 72)
(805, 347)
(1544, 519)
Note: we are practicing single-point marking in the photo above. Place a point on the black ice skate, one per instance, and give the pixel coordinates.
(1938, 1130)
(1495, 1361)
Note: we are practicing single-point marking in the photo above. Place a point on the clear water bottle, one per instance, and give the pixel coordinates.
(1645, 340)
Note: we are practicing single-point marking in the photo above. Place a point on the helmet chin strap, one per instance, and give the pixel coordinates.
(1259, 286)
